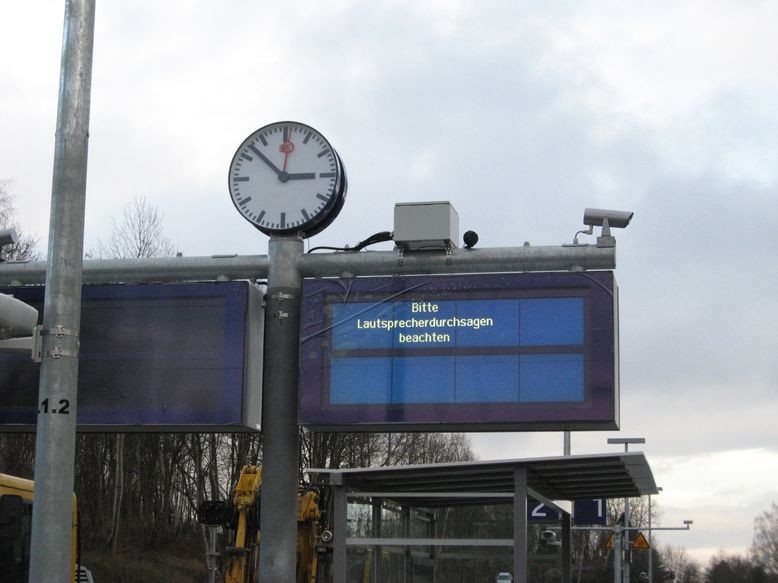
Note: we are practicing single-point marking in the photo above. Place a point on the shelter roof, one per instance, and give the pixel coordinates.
(577, 477)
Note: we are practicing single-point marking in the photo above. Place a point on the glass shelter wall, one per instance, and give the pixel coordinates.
(470, 543)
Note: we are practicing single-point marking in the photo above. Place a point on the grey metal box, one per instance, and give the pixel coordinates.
(425, 225)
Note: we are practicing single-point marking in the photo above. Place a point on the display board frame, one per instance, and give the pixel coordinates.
(365, 405)
(153, 357)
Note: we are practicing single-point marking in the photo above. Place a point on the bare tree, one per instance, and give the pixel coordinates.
(724, 568)
(17, 450)
(137, 234)
(353, 450)
(26, 246)
(764, 548)
(678, 561)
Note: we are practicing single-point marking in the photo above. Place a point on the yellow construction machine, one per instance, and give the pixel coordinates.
(240, 517)
(16, 507)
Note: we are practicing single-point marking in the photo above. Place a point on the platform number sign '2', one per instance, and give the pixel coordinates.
(584, 512)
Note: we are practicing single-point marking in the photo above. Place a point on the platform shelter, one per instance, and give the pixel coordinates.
(421, 490)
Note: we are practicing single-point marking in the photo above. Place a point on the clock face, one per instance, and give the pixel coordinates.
(287, 178)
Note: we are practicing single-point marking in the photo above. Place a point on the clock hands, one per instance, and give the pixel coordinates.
(286, 147)
(267, 161)
(286, 178)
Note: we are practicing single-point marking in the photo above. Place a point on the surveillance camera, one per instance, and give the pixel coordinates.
(8, 237)
(615, 219)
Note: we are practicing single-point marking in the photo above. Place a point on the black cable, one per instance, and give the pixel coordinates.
(381, 237)
(312, 249)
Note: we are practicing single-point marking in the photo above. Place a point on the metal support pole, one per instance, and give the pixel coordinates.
(278, 552)
(432, 527)
(520, 556)
(626, 543)
(377, 506)
(407, 555)
(567, 563)
(650, 545)
(617, 573)
(339, 528)
(213, 555)
(58, 390)
(621, 533)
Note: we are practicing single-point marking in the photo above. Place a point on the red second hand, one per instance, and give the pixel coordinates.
(287, 148)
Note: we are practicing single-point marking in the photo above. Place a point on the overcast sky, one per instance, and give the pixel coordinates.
(521, 114)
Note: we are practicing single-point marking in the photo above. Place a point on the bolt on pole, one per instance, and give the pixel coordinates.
(56, 422)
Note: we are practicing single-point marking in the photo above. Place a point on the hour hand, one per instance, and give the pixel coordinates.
(266, 160)
(301, 176)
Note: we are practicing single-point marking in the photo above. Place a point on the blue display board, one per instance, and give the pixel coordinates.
(476, 329)
(523, 351)
(152, 357)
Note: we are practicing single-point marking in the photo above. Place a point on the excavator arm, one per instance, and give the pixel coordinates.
(241, 515)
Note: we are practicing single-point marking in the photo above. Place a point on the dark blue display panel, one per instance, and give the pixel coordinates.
(515, 351)
(585, 512)
(153, 357)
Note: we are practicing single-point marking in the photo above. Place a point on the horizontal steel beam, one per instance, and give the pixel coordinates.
(161, 269)
(487, 260)
(620, 528)
(496, 495)
(342, 264)
(431, 542)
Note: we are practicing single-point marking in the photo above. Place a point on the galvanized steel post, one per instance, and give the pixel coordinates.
(520, 550)
(617, 552)
(56, 425)
(567, 565)
(339, 528)
(278, 524)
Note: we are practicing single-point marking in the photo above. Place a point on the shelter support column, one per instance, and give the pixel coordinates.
(377, 519)
(340, 506)
(407, 555)
(520, 557)
(567, 564)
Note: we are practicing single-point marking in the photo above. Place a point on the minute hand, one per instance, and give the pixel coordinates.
(266, 160)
